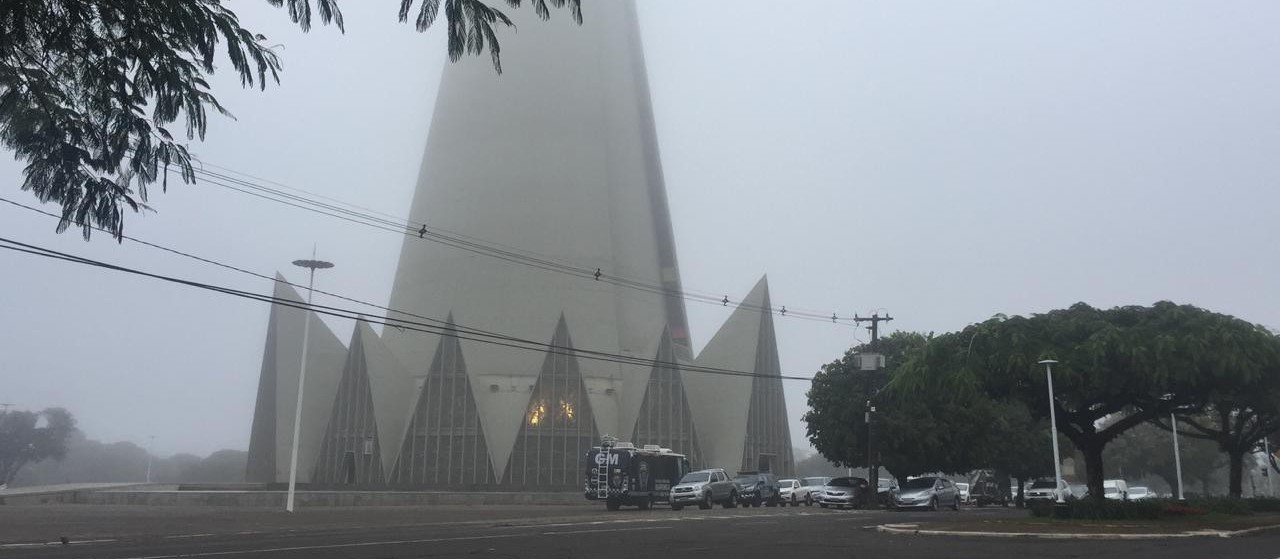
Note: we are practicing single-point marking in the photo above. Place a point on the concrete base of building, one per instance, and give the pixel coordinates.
(172, 495)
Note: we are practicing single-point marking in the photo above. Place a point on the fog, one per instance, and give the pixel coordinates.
(940, 161)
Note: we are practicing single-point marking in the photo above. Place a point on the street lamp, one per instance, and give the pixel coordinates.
(150, 444)
(1053, 432)
(1177, 454)
(311, 265)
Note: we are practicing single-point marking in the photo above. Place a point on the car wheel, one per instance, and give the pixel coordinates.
(933, 504)
(808, 500)
(612, 504)
(677, 507)
(823, 505)
(772, 502)
(794, 502)
(732, 502)
(706, 501)
(956, 506)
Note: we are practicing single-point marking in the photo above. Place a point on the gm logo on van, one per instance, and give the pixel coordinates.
(600, 459)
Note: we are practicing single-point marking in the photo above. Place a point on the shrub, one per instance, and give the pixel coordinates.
(1224, 505)
(1088, 509)
(1263, 504)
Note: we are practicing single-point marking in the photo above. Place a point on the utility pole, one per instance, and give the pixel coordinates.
(872, 387)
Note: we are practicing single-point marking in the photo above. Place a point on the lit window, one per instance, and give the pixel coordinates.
(566, 411)
(537, 412)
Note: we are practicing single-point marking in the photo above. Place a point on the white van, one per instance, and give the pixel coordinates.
(1115, 489)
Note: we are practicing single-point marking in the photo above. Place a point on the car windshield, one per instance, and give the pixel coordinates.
(786, 483)
(963, 486)
(884, 483)
(919, 483)
(1111, 490)
(1043, 484)
(1138, 491)
(746, 479)
(696, 477)
(811, 481)
(841, 482)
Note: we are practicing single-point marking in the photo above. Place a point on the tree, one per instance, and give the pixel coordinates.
(1133, 364)
(1148, 450)
(1236, 420)
(88, 88)
(27, 437)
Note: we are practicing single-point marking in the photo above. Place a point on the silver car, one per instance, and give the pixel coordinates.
(844, 492)
(704, 488)
(928, 492)
(811, 489)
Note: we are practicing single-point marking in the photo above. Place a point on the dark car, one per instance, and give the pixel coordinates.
(987, 488)
(758, 488)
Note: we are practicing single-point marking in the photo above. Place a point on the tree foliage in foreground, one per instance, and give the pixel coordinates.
(28, 437)
(1129, 365)
(921, 431)
(90, 90)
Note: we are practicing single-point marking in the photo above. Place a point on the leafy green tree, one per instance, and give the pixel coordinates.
(1236, 423)
(27, 437)
(89, 88)
(1134, 364)
(1148, 450)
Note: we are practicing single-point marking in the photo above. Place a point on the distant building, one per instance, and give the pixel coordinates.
(556, 159)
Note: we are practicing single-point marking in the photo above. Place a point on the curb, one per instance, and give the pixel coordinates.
(913, 529)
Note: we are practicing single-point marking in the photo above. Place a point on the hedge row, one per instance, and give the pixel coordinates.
(1155, 509)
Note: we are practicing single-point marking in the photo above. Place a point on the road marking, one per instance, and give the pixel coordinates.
(331, 546)
(39, 544)
(561, 533)
(188, 536)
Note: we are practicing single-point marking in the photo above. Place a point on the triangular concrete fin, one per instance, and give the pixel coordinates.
(394, 392)
(326, 357)
(722, 401)
(664, 417)
(349, 451)
(261, 462)
(444, 445)
(768, 438)
(557, 427)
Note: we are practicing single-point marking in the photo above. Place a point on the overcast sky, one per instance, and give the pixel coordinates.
(942, 161)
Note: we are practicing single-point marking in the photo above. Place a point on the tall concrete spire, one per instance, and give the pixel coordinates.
(556, 156)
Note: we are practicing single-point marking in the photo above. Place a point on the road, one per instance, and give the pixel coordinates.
(541, 532)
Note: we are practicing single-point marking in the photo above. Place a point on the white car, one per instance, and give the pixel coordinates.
(1115, 489)
(787, 489)
(810, 490)
(1042, 490)
(1138, 493)
(963, 488)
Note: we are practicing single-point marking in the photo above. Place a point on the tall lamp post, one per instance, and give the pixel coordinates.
(1177, 454)
(311, 265)
(1053, 432)
(151, 443)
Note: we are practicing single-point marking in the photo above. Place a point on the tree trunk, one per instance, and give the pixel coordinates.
(1235, 487)
(1093, 469)
(1018, 499)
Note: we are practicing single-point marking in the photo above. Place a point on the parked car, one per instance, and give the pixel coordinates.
(1079, 490)
(844, 492)
(811, 489)
(758, 488)
(789, 488)
(989, 489)
(1042, 490)
(886, 491)
(963, 488)
(704, 488)
(928, 492)
(1115, 489)
(1138, 493)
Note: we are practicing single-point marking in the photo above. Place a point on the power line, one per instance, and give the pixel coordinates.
(447, 330)
(409, 228)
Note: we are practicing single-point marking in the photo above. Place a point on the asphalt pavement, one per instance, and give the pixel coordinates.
(543, 532)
